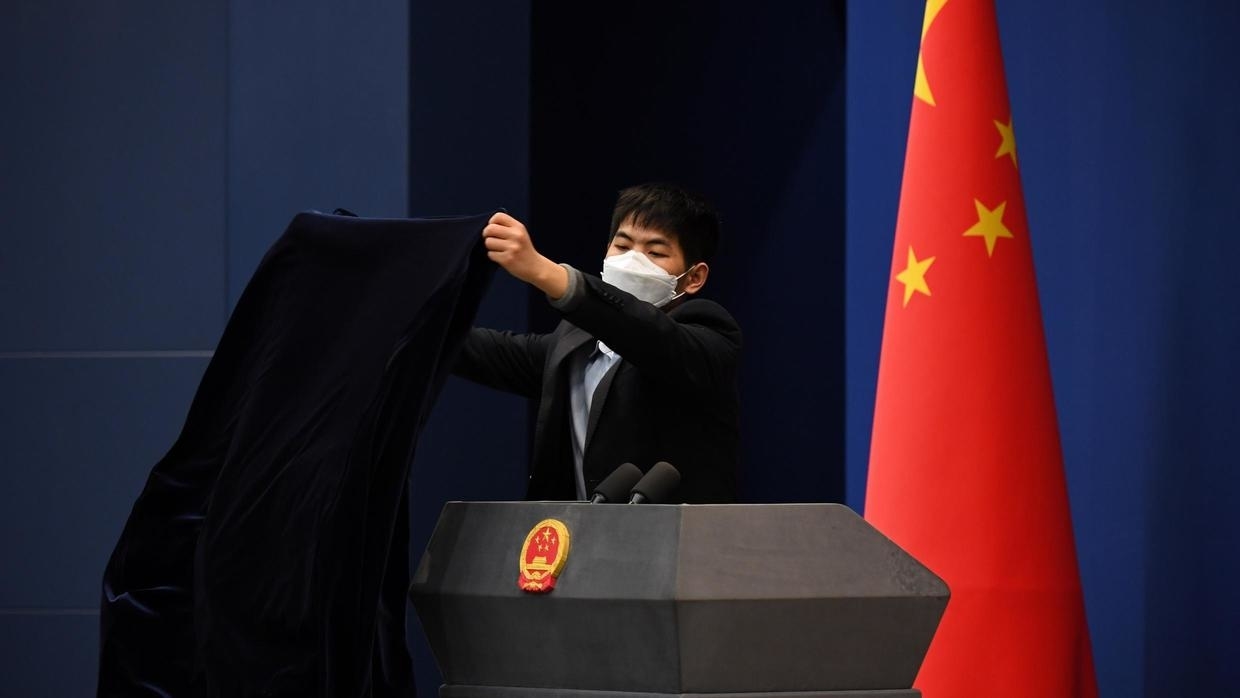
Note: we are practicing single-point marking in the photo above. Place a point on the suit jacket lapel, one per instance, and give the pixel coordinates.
(600, 396)
(569, 342)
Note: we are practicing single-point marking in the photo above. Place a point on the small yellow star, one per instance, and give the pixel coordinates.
(921, 85)
(914, 276)
(1008, 145)
(989, 225)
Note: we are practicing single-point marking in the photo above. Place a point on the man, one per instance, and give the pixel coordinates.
(640, 370)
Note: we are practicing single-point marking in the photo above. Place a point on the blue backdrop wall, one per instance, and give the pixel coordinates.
(112, 289)
(150, 152)
(1125, 120)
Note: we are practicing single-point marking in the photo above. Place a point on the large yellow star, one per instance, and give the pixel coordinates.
(1008, 145)
(921, 85)
(989, 225)
(914, 276)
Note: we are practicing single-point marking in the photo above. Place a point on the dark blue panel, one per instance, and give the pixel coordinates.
(77, 439)
(48, 655)
(472, 448)
(882, 54)
(112, 161)
(469, 152)
(318, 117)
(469, 111)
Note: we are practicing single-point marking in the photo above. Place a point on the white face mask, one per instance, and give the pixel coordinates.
(633, 271)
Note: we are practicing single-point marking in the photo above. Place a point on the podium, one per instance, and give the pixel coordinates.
(791, 600)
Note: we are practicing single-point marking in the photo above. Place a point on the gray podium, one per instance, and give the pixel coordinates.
(792, 600)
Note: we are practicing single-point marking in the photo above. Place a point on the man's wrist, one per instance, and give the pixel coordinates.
(551, 279)
(573, 294)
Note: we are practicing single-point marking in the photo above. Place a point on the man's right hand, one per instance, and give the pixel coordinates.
(508, 245)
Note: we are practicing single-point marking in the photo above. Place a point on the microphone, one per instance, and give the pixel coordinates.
(614, 487)
(656, 485)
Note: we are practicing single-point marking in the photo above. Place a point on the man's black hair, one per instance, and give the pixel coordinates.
(674, 211)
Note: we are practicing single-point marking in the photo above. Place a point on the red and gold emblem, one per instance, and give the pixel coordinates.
(543, 556)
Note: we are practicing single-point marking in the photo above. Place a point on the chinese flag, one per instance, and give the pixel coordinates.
(965, 465)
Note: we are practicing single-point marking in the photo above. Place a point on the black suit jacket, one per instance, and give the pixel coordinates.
(671, 397)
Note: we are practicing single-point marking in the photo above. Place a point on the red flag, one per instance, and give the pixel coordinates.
(965, 465)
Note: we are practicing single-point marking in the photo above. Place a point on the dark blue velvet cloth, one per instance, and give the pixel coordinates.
(268, 553)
